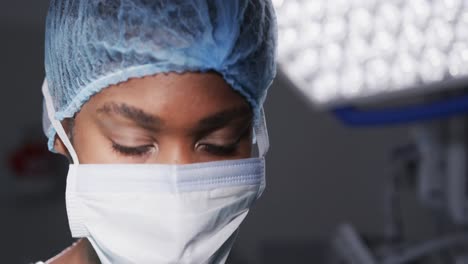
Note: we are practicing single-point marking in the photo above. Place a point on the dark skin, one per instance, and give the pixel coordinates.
(166, 119)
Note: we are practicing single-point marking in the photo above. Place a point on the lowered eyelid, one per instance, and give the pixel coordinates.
(127, 136)
(235, 135)
(113, 126)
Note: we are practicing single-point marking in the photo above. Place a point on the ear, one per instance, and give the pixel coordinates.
(61, 149)
(59, 146)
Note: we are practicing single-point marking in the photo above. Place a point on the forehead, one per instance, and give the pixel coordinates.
(172, 96)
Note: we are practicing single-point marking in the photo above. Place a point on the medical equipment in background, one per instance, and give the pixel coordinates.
(375, 63)
(434, 167)
(34, 172)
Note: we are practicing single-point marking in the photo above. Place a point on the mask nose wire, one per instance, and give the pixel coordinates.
(57, 124)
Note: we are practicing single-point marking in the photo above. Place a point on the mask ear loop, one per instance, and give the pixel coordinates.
(261, 134)
(56, 124)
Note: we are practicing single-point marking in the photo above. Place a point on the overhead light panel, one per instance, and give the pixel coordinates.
(343, 51)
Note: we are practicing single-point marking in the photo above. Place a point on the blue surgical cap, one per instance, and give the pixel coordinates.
(92, 44)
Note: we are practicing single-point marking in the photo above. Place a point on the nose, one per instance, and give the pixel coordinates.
(175, 152)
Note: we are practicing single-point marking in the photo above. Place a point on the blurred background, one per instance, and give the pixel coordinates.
(349, 181)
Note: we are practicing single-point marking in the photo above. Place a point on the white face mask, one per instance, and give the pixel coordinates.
(154, 213)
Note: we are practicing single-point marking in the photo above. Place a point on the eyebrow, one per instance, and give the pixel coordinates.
(154, 123)
(142, 119)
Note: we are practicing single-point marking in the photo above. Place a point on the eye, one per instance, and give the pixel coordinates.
(223, 146)
(220, 150)
(133, 151)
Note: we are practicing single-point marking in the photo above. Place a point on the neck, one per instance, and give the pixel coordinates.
(91, 255)
(81, 252)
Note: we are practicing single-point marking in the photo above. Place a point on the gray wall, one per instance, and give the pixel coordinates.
(319, 173)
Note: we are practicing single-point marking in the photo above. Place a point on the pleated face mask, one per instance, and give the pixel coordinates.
(157, 213)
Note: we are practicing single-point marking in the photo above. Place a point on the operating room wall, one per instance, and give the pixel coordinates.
(31, 226)
(319, 173)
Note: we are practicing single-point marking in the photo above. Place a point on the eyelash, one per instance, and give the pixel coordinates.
(131, 151)
(220, 150)
(210, 148)
(224, 150)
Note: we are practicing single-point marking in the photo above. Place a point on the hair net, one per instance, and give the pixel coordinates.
(92, 44)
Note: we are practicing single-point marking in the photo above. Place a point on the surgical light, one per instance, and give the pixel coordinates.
(339, 52)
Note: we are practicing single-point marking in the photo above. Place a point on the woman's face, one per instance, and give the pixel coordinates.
(167, 118)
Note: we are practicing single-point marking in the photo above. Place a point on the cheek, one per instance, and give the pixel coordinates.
(245, 149)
